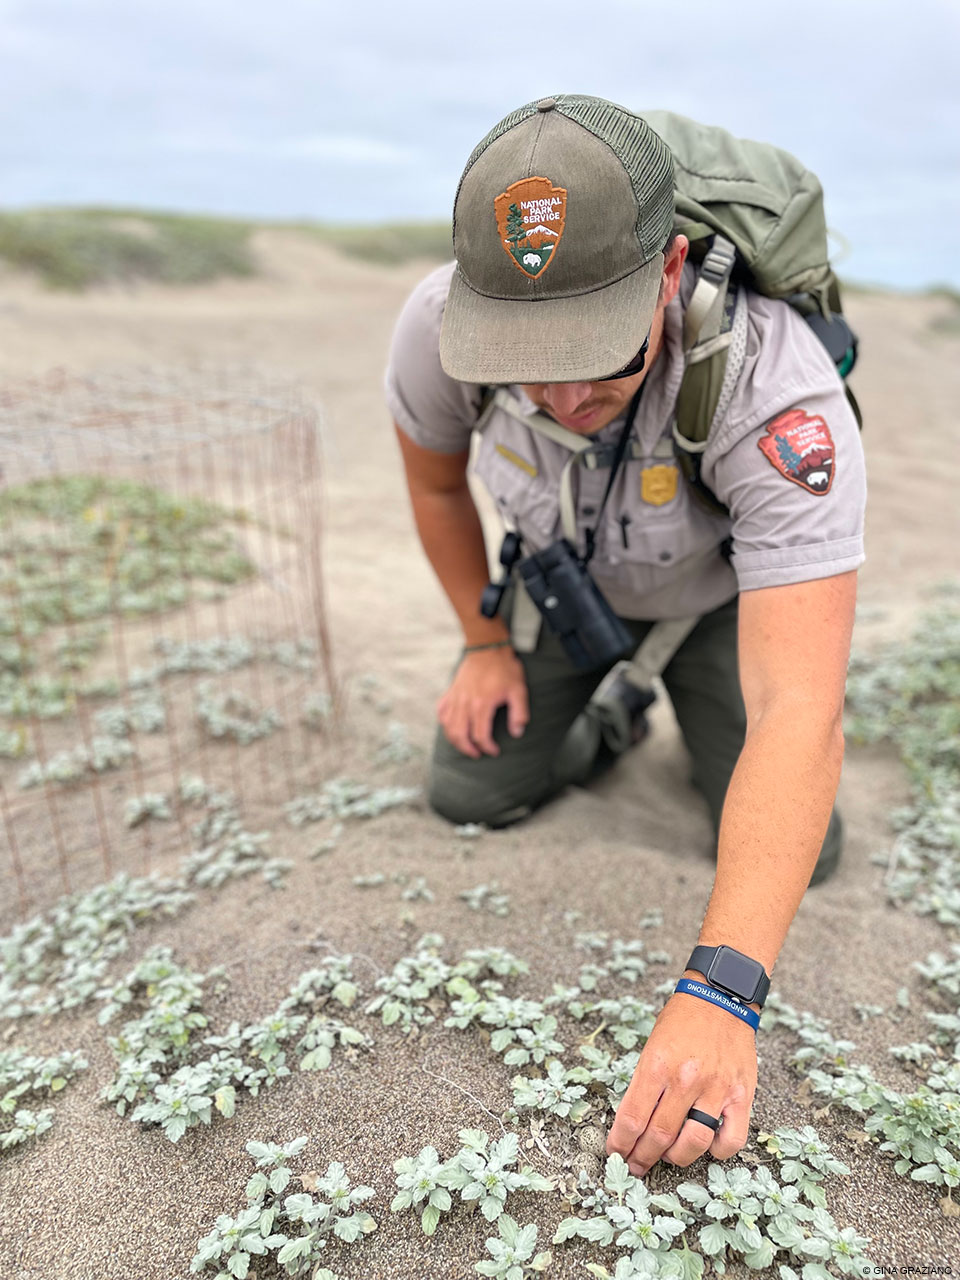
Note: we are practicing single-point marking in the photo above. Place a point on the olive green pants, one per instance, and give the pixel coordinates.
(558, 747)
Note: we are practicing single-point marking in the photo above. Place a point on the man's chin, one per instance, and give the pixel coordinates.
(582, 423)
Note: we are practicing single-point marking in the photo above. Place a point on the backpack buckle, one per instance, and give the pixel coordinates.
(718, 263)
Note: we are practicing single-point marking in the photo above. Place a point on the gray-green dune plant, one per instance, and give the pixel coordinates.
(26, 1077)
(511, 1252)
(910, 695)
(169, 1076)
(289, 1231)
(482, 1171)
(58, 960)
(487, 897)
(735, 1214)
(79, 548)
(919, 1130)
(341, 798)
(228, 713)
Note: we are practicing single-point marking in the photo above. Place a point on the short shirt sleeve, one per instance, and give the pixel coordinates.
(434, 410)
(787, 460)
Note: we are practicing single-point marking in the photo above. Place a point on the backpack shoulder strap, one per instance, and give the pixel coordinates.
(714, 341)
(703, 318)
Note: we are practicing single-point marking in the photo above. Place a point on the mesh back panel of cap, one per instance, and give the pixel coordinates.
(643, 154)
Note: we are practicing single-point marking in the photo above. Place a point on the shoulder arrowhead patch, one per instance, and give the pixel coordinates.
(799, 445)
(530, 217)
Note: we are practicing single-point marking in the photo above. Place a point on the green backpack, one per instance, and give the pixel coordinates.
(753, 215)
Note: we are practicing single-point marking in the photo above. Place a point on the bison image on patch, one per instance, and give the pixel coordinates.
(800, 446)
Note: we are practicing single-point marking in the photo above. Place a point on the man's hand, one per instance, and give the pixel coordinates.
(696, 1056)
(484, 681)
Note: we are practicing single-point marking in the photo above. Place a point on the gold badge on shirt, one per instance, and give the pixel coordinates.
(658, 485)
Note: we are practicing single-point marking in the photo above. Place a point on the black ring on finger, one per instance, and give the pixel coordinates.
(712, 1122)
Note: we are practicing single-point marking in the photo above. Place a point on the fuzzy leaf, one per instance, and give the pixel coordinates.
(596, 1229)
(490, 1207)
(509, 1230)
(696, 1194)
(785, 1231)
(225, 1100)
(175, 1128)
(815, 1271)
(567, 1229)
(257, 1186)
(713, 1238)
(617, 1177)
(429, 1219)
(762, 1257)
(348, 1229)
(690, 1263)
(473, 1139)
(294, 1249)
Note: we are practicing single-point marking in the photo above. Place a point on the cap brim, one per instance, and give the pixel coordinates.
(575, 339)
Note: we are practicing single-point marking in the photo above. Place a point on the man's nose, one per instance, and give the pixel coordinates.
(565, 398)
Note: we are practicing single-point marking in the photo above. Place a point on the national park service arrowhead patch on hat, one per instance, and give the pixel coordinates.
(530, 217)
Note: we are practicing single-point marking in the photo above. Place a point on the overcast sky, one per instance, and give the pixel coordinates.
(349, 112)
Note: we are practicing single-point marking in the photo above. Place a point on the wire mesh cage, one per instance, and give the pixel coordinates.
(161, 613)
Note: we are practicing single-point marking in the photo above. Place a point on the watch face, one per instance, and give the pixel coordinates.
(737, 973)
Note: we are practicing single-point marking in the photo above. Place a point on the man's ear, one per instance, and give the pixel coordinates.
(673, 268)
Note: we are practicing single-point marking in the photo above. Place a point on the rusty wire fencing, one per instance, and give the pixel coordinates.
(161, 614)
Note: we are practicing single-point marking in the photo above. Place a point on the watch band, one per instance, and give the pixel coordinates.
(702, 958)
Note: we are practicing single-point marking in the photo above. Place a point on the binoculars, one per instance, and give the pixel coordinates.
(568, 600)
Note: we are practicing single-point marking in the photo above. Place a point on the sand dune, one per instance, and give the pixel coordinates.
(98, 1200)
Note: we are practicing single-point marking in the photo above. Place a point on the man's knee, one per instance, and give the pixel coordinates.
(485, 790)
(461, 795)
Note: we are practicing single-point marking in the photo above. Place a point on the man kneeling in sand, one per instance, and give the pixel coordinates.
(559, 333)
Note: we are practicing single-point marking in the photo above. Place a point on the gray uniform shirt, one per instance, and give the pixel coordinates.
(786, 460)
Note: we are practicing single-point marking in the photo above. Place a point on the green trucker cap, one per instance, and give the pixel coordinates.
(558, 226)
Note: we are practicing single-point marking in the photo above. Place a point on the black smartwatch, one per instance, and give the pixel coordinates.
(733, 972)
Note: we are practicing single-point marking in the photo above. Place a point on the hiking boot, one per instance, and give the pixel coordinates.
(610, 724)
(620, 708)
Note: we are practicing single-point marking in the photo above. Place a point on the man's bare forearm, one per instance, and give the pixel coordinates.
(452, 537)
(775, 816)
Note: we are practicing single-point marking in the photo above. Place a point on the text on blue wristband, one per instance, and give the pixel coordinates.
(687, 986)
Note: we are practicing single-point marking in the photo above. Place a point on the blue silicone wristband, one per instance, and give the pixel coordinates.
(700, 989)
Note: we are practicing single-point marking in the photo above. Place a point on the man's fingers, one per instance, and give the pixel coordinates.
(518, 710)
(734, 1131)
(694, 1137)
(660, 1135)
(633, 1115)
(481, 726)
(455, 725)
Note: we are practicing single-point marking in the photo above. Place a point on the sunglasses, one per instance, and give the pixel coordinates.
(635, 365)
